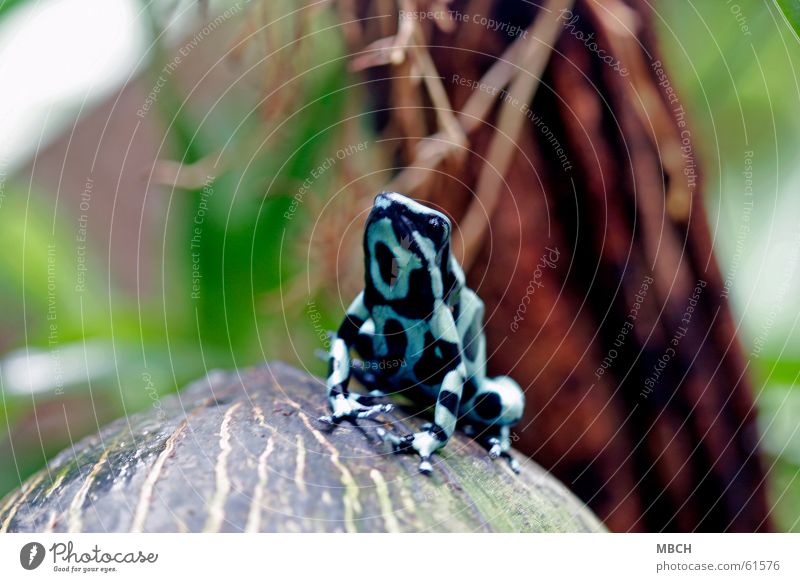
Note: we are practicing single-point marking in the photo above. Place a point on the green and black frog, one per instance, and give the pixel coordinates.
(418, 330)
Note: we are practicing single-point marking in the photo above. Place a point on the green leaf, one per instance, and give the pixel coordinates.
(791, 12)
(7, 5)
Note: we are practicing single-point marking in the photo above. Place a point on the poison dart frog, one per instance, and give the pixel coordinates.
(418, 330)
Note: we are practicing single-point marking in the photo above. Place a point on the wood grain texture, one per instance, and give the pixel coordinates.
(242, 451)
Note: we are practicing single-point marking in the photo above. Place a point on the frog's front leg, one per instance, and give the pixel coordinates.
(445, 350)
(343, 403)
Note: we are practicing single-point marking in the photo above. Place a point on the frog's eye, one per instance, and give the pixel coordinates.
(438, 229)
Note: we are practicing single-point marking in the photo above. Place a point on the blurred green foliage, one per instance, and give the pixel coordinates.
(735, 65)
(6, 5)
(222, 257)
(791, 10)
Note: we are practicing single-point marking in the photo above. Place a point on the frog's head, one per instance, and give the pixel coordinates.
(404, 243)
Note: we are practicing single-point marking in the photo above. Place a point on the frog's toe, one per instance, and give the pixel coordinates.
(369, 411)
(349, 408)
(422, 443)
(499, 447)
(497, 452)
(366, 412)
(495, 448)
(425, 466)
(399, 444)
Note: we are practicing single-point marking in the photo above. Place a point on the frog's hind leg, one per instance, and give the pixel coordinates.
(492, 408)
(491, 403)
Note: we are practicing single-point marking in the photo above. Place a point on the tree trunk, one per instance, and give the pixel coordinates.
(242, 451)
(588, 242)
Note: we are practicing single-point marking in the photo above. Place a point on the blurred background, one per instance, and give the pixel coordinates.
(164, 166)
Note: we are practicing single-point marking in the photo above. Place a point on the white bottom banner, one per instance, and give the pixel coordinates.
(411, 557)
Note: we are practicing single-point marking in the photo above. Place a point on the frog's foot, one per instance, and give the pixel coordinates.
(423, 443)
(499, 447)
(351, 407)
(371, 397)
